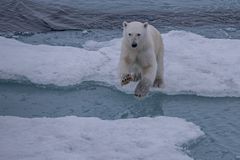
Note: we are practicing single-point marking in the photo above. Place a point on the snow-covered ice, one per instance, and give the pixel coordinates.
(193, 64)
(78, 138)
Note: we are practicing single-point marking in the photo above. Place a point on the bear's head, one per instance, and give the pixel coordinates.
(134, 33)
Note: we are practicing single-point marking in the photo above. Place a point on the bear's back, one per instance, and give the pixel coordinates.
(156, 39)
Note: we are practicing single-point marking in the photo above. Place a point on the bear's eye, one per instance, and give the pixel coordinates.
(138, 34)
(129, 34)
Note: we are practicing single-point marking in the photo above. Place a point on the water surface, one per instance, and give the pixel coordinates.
(218, 117)
(72, 23)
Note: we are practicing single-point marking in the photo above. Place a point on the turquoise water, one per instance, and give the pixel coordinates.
(72, 23)
(217, 117)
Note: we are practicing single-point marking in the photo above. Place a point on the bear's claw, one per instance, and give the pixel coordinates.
(126, 79)
(142, 88)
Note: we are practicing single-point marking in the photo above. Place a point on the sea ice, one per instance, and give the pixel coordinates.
(78, 138)
(193, 64)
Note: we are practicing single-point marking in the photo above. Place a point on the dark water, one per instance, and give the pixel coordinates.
(218, 117)
(212, 18)
(72, 23)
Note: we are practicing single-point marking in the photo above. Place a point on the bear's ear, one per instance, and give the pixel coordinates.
(125, 24)
(145, 24)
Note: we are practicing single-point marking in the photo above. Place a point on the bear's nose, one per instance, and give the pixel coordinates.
(134, 45)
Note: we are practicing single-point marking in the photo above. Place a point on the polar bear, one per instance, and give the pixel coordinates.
(141, 57)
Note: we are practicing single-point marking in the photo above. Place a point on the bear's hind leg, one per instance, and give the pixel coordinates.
(158, 83)
(159, 80)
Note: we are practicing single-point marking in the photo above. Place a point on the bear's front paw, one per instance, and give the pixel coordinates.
(142, 88)
(126, 78)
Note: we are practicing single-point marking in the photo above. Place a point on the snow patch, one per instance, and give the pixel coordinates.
(95, 139)
(193, 64)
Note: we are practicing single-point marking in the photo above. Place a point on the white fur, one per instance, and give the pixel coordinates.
(147, 57)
